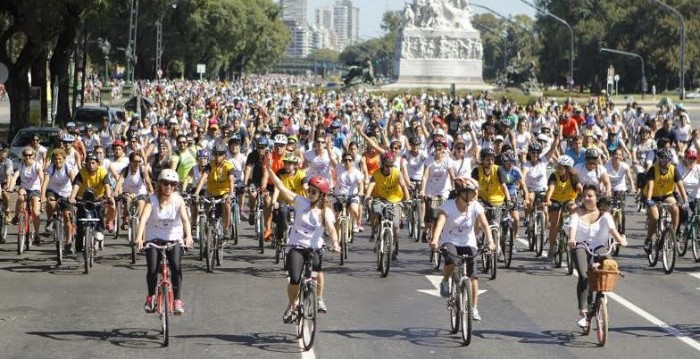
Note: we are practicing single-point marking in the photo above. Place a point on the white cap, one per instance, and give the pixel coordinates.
(499, 138)
(439, 132)
(542, 137)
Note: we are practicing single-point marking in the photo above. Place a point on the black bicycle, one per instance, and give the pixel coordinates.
(460, 303)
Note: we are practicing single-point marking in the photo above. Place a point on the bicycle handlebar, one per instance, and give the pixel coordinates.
(611, 247)
(166, 246)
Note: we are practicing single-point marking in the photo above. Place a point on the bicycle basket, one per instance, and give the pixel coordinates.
(436, 203)
(602, 280)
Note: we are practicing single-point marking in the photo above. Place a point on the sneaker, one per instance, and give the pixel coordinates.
(355, 229)
(80, 257)
(49, 225)
(125, 226)
(475, 314)
(15, 220)
(322, 306)
(99, 236)
(68, 249)
(268, 235)
(445, 289)
(227, 234)
(251, 220)
(647, 245)
(288, 315)
(582, 321)
(149, 306)
(360, 228)
(37, 240)
(179, 307)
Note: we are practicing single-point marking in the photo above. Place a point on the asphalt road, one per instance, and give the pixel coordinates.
(529, 311)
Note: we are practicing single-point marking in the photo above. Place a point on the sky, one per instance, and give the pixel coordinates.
(371, 11)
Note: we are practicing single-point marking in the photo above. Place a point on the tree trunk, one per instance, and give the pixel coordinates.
(17, 86)
(58, 66)
(39, 79)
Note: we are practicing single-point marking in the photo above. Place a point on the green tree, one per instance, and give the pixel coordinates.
(324, 55)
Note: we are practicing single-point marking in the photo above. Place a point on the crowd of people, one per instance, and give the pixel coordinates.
(301, 149)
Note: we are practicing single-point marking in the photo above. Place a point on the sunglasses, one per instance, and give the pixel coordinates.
(181, 142)
(168, 183)
(460, 148)
(396, 148)
(347, 159)
(28, 155)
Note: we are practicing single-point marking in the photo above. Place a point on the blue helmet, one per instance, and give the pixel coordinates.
(202, 153)
(590, 121)
(262, 141)
(336, 124)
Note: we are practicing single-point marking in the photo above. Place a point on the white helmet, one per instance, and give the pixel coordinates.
(566, 161)
(280, 139)
(168, 175)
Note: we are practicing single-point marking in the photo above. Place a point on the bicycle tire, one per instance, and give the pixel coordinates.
(259, 231)
(561, 243)
(133, 225)
(117, 219)
(435, 258)
(695, 241)
(668, 249)
(343, 240)
(453, 306)
(219, 243)
(278, 250)
(466, 311)
(653, 253)
(3, 229)
(21, 234)
(87, 248)
(617, 219)
(505, 233)
(58, 240)
(529, 230)
(308, 332)
(235, 221)
(495, 233)
(539, 233)
(387, 242)
(165, 314)
(602, 322)
(508, 249)
(209, 249)
(409, 225)
(682, 240)
(201, 225)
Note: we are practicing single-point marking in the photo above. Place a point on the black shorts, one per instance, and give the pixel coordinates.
(62, 205)
(295, 262)
(452, 254)
(337, 206)
(432, 208)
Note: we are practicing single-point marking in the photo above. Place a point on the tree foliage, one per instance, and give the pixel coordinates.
(379, 50)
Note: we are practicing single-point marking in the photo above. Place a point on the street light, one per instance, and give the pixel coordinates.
(508, 19)
(106, 47)
(630, 54)
(504, 39)
(680, 17)
(571, 32)
(159, 36)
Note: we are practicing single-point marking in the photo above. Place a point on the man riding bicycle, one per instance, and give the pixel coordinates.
(492, 179)
(220, 181)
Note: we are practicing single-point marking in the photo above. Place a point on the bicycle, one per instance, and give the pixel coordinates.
(460, 303)
(3, 223)
(617, 209)
(59, 230)
(599, 283)
(214, 229)
(25, 227)
(345, 225)
(507, 239)
(561, 248)
(165, 298)
(415, 220)
(235, 217)
(258, 207)
(132, 220)
(536, 225)
(305, 312)
(200, 222)
(693, 232)
(687, 232)
(89, 223)
(435, 205)
(664, 241)
(385, 237)
(280, 243)
(489, 258)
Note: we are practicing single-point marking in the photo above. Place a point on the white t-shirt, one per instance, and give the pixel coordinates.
(319, 165)
(134, 183)
(348, 181)
(29, 176)
(459, 227)
(415, 164)
(165, 223)
(307, 230)
(462, 167)
(438, 183)
(536, 178)
(617, 177)
(238, 162)
(587, 177)
(595, 234)
(59, 180)
(691, 180)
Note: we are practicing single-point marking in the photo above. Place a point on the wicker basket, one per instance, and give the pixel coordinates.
(602, 280)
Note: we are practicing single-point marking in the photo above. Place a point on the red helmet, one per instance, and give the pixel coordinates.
(691, 153)
(388, 158)
(320, 183)
(118, 143)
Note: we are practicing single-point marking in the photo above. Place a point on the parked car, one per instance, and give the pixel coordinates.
(693, 94)
(48, 137)
(93, 115)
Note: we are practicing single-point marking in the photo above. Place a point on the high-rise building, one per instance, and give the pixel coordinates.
(294, 10)
(299, 46)
(341, 19)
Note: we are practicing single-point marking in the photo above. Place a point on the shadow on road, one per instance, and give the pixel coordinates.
(135, 338)
(273, 342)
(428, 337)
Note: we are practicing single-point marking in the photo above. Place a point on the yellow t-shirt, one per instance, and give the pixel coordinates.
(664, 184)
(387, 187)
(490, 188)
(564, 191)
(95, 181)
(217, 180)
(295, 183)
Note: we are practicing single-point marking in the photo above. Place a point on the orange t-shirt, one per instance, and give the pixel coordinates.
(372, 163)
(277, 163)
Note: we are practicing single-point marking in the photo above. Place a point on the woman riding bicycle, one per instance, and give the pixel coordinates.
(590, 226)
(515, 179)
(454, 231)
(58, 185)
(619, 172)
(164, 218)
(135, 182)
(563, 187)
(350, 183)
(592, 172)
(31, 176)
(436, 183)
(313, 215)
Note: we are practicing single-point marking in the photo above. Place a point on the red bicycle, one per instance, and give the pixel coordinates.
(165, 297)
(25, 227)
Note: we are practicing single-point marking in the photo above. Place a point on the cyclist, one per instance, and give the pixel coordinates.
(73, 159)
(135, 182)
(454, 232)
(663, 178)
(414, 161)
(639, 155)
(436, 183)
(6, 172)
(320, 160)
(619, 172)
(277, 157)
(388, 185)
(237, 159)
(515, 180)
(184, 159)
(220, 182)
(591, 172)
(58, 185)
(313, 216)
(350, 183)
(164, 218)
(31, 176)
(293, 179)
(689, 170)
(39, 149)
(593, 227)
(94, 178)
(562, 189)
(254, 172)
(492, 180)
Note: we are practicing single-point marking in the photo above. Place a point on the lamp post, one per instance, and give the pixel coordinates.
(504, 39)
(159, 36)
(680, 18)
(523, 27)
(106, 47)
(571, 32)
(131, 46)
(630, 54)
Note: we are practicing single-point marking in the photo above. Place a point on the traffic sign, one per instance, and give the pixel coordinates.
(201, 68)
(617, 78)
(159, 72)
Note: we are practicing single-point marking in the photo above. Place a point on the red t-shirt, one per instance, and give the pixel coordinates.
(568, 128)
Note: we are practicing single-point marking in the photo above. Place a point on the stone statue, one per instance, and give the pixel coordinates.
(408, 17)
(359, 74)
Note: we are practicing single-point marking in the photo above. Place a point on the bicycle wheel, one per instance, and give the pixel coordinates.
(466, 311)
(343, 240)
(21, 234)
(453, 306)
(308, 321)
(259, 231)
(219, 244)
(278, 249)
(201, 239)
(695, 241)
(617, 218)
(493, 257)
(530, 231)
(58, 240)
(117, 219)
(559, 255)
(601, 320)
(508, 249)
(87, 248)
(387, 242)
(539, 233)
(3, 229)
(435, 258)
(668, 250)
(653, 253)
(682, 241)
(505, 234)
(569, 260)
(164, 312)
(133, 225)
(235, 221)
(209, 248)
(410, 224)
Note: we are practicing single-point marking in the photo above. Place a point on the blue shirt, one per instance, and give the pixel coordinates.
(512, 177)
(578, 157)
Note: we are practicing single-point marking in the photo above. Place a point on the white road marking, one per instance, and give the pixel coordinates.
(306, 354)
(435, 281)
(696, 275)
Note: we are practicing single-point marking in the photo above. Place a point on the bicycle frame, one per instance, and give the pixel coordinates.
(165, 297)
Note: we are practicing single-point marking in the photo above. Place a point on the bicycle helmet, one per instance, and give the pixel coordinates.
(118, 143)
(91, 156)
(336, 124)
(219, 149)
(304, 130)
(509, 156)
(465, 184)
(168, 175)
(388, 159)
(590, 121)
(67, 138)
(320, 183)
(415, 141)
(291, 158)
(592, 154)
(565, 161)
(534, 147)
(487, 152)
(644, 129)
(261, 141)
(691, 153)
(280, 139)
(234, 140)
(665, 154)
(202, 153)
(292, 138)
